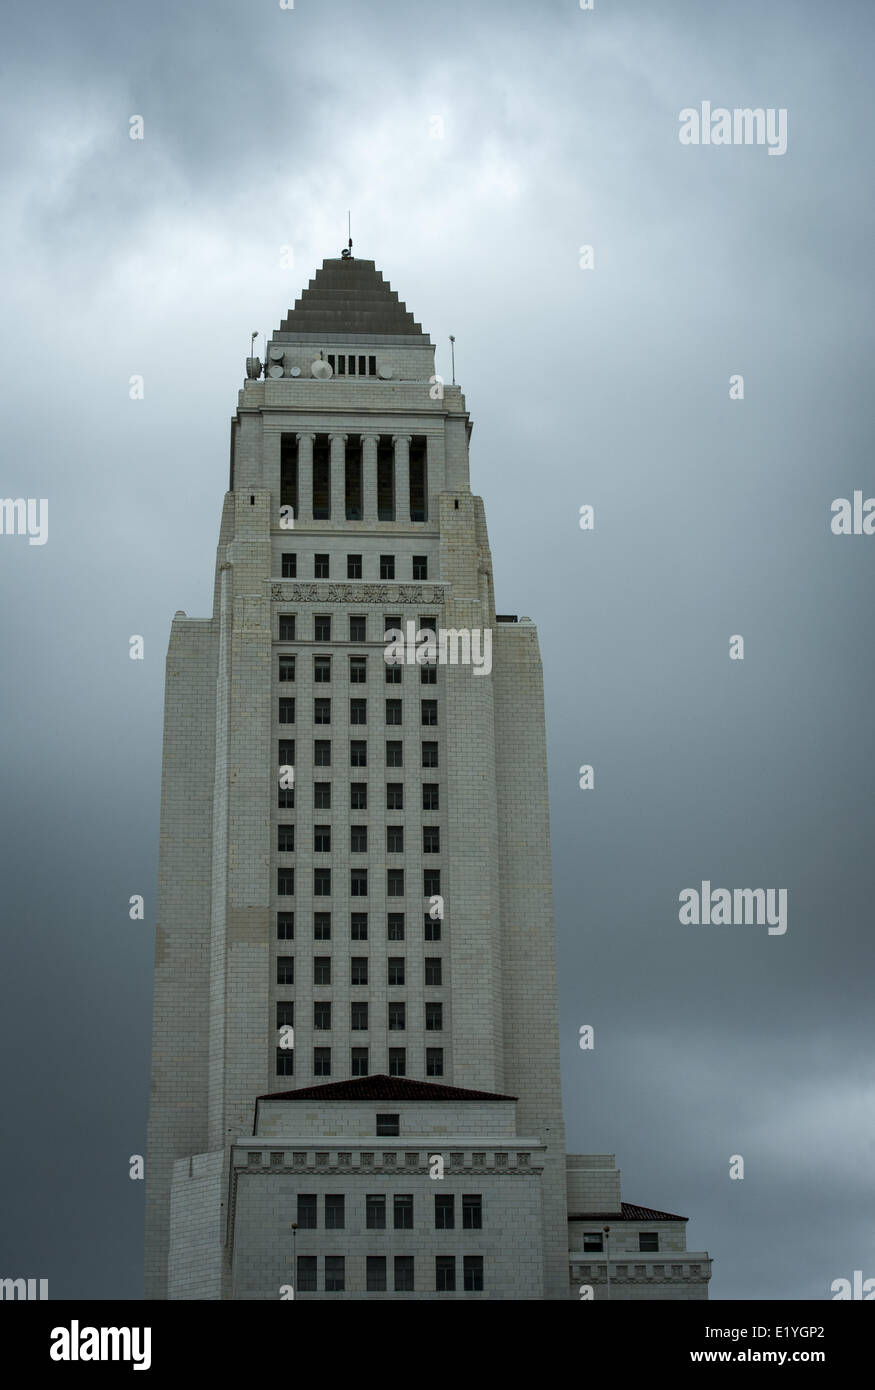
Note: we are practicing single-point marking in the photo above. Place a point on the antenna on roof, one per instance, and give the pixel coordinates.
(347, 254)
(453, 356)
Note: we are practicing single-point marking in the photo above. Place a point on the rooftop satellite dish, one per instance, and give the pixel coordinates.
(275, 371)
(321, 370)
(276, 354)
(386, 373)
(294, 371)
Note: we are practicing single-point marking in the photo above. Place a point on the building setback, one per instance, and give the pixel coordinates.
(355, 1079)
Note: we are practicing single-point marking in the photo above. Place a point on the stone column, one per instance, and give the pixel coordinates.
(402, 476)
(305, 477)
(338, 478)
(369, 477)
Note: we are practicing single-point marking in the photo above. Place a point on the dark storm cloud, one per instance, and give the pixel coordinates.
(607, 386)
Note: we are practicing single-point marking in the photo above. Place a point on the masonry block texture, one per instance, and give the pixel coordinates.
(394, 907)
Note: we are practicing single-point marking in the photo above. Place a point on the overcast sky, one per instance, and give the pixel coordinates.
(556, 128)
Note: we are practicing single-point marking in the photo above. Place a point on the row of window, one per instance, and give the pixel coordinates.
(322, 566)
(359, 1015)
(358, 710)
(358, 883)
(402, 1211)
(376, 1274)
(351, 478)
(358, 796)
(357, 627)
(358, 751)
(434, 1061)
(357, 671)
(358, 971)
(647, 1240)
(358, 839)
(358, 926)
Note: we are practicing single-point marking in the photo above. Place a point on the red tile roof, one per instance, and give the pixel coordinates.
(630, 1212)
(383, 1088)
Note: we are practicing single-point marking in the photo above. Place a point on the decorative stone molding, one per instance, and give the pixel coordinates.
(359, 592)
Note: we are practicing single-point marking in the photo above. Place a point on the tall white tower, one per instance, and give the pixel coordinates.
(355, 1026)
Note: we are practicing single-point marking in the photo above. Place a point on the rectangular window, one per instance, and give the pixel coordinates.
(285, 970)
(358, 883)
(395, 926)
(434, 1061)
(397, 1017)
(418, 479)
(322, 1014)
(393, 753)
(648, 1240)
(393, 711)
(358, 972)
(322, 710)
(285, 798)
(358, 1016)
(394, 796)
(285, 926)
(375, 1212)
(306, 1273)
(322, 970)
(322, 796)
(357, 629)
(428, 675)
(445, 1273)
(321, 926)
(433, 970)
(472, 1212)
(387, 566)
(358, 670)
(385, 478)
(394, 839)
(431, 839)
(289, 565)
(394, 883)
(287, 627)
(432, 927)
(358, 753)
(321, 478)
(358, 711)
(322, 839)
(444, 1211)
(359, 1061)
(429, 711)
(375, 1273)
(391, 623)
(320, 567)
(429, 755)
(285, 838)
(358, 796)
(394, 674)
(372, 366)
(353, 566)
(420, 567)
(430, 796)
(307, 1211)
(431, 883)
(358, 926)
(322, 752)
(321, 1061)
(592, 1241)
(289, 474)
(322, 627)
(403, 1211)
(285, 882)
(287, 752)
(358, 839)
(285, 1061)
(403, 1273)
(434, 1017)
(388, 1125)
(287, 668)
(397, 1061)
(472, 1266)
(335, 1276)
(396, 970)
(321, 669)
